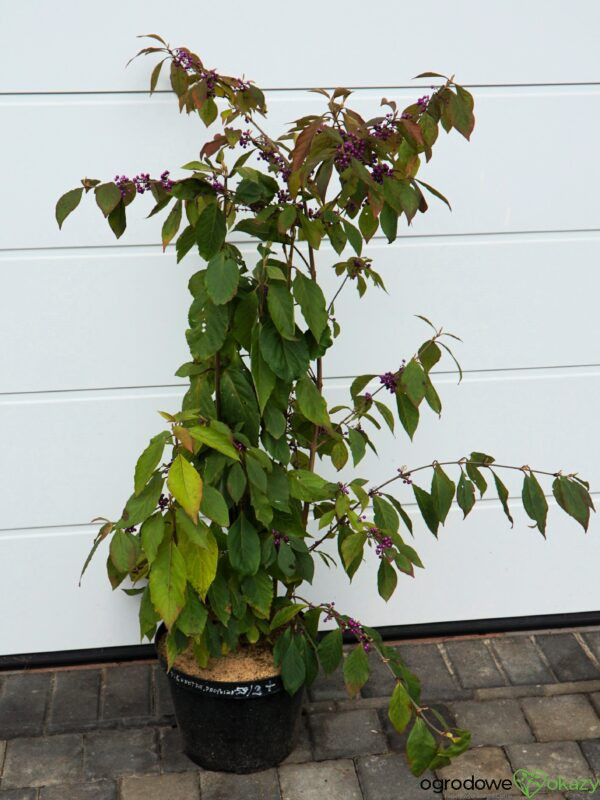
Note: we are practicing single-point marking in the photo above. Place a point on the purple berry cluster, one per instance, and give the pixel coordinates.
(380, 170)
(121, 180)
(165, 181)
(406, 476)
(278, 537)
(423, 102)
(351, 147)
(342, 488)
(245, 139)
(384, 129)
(241, 448)
(132, 529)
(383, 543)
(283, 196)
(163, 502)
(348, 624)
(277, 161)
(390, 381)
(142, 182)
(183, 59)
(217, 185)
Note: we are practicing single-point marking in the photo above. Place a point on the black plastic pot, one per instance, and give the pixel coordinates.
(234, 727)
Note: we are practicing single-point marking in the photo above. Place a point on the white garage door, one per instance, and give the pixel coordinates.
(93, 329)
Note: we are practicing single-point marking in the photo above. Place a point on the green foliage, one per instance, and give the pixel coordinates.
(221, 553)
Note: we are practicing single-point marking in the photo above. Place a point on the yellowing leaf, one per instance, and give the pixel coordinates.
(186, 486)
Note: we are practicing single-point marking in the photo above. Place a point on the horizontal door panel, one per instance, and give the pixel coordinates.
(322, 46)
(475, 569)
(69, 457)
(117, 317)
(497, 184)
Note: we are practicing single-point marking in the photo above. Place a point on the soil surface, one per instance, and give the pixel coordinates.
(245, 664)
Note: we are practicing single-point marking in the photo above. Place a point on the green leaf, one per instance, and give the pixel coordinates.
(167, 582)
(217, 436)
(358, 445)
(263, 376)
(465, 494)
(460, 111)
(185, 241)
(413, 380)
(287, 359)
(503, 495)
(352, 549)
(210, 231)
(140, 506)
(222, 279)
(573, 498)
(147, 615)
(354, 237)
(238, 401)
(386, 579)
(356, 670)
(67, 203)
(385, 514)
(208, 112)
(243, 546)
(400, 710)
(124, 550)
(534, 502)
(367, 222)
(308, 486)
(281, 309)
(293, 669)
(442, 493)
(386, 414)
(475, 475)
(214, 506)
(258, 591)
(285, 615)
(207, 337)
(286, 218)
(185, 484)
(330, 650)
(420, 747)
(192, 619)
(408, 414)
(286, 560)
(117, 220)
(149, 460)
(359, 383)
(401, 196)
(311, 402)
(429, 355)
(311, 300)
(171, 224)
(236, 483)
(99, 538)
(389, 222)
(152, 533)
(108, 197)
(200, 559)
(426, 508)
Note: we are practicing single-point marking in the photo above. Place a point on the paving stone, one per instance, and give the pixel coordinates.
(127, 693)
(484, 763)
(521, 661)
(474, 664)
(19, 794)
(381, 681)
(108, 754)
(592, 639)
(163, 703)
(553, 758)
(42, 761)
(387, 777)
(397, 741)
(346, 734)
(578, 795)
(23, 701)
(303, 750)
(591, 750)
(176, 786)
(566, 657)
(334, 780)
(2, 752)
(74, 701)
(172, 757)
(328, 687)
(99, 790)
(564, 717)
(228, 786)
(496, 722)
(426, 661)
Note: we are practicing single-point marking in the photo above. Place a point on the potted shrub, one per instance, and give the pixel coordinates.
(229, 510)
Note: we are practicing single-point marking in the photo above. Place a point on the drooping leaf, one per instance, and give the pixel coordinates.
(420, 747)
(141, 506)
(311, 300)
(356, 670)
(124, 550)
(167, 582)
(216, 435)
(214, 506)
(222, 279)
(330, 650)
(149, 460)
(293, 669)
(200, 559)
(210, 231)
(442, 493)
(108, 197)
(408, 414)
(185, 484)
(503, 496)
(171, 224)
(152, 533)
(311, 402)
(426, 508)
(534, 502)
(573, 498)
(465, 494)
(281, 309)
(386, 579)
(67, 203)
(243, 546)
(400, 709)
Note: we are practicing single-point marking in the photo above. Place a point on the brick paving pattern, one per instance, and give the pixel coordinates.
(531, 701)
